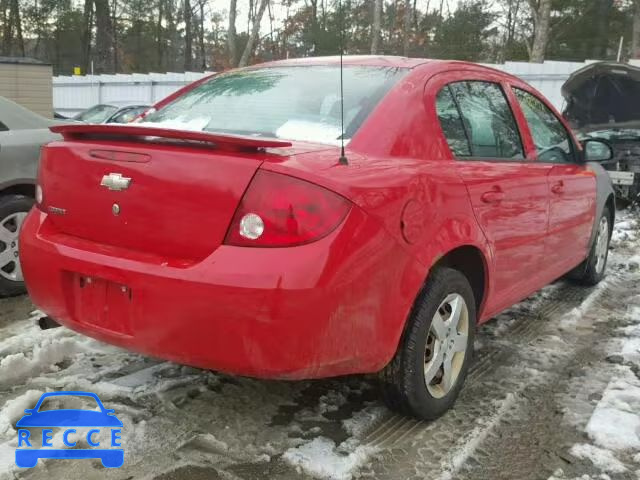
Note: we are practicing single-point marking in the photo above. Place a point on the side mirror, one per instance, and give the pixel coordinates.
(596, 150)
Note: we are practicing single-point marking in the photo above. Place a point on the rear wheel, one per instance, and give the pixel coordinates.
(13, 211)
(592, 270)
(428, 370)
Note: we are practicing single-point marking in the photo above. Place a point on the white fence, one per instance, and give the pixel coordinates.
(73, 94)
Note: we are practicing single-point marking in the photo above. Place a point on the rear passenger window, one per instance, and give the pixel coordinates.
(487, 121)
(3, 127)
(451, 124)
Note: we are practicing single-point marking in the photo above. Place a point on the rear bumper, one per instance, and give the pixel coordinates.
(333, 307)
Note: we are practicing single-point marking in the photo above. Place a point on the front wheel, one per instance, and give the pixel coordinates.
(593, 269)
(426, 374)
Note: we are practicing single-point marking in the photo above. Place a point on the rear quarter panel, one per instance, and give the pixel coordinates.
(401, 173)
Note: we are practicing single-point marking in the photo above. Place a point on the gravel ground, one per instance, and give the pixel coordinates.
(554, 394)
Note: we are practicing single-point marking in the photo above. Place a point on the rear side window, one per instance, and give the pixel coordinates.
(451, 124)
(487, 121)
(3, 127)
(549, 135)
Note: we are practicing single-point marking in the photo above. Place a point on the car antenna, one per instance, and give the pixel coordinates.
(343, 158)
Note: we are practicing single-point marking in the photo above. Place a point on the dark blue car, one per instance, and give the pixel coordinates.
(102, 418)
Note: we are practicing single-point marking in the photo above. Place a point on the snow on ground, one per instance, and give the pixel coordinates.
(614, 424)
(176, 416)
(320, 457)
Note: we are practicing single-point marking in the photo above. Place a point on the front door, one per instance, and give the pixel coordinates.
(509, 193)
(572, 186)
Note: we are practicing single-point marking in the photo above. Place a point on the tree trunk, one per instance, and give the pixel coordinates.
(160, 35)
(188, 37)
(87, 28)
(542, 22)
(231, 34)
(635, 39)
(104, 37)
(315, 30)
(248, 50)
(407, 28)
(203, 56)
(114, 26)
(17, 22)
(376, 26)
(601, 39)
(4, 22)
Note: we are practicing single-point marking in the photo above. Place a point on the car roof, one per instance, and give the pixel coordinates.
(349, 60)
(16, 117)
(126, 103)
(433, 65)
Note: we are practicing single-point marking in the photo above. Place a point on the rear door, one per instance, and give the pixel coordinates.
(509, 193)
(572, 185)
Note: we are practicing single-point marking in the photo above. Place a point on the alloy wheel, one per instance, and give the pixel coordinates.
(602, 244)
(446, 345)
(9, 246)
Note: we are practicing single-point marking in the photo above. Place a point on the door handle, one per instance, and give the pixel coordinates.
(558, 187)
(492, 196)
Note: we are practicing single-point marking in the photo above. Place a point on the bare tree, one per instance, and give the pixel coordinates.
(376, 27)
(232, 44)
(159, 35)
(407, 28)
(86, 34)
(203, 55)
(104, 37)
(12, 24)
(315, 27)
(188, 36)
(255, 30)
(114, 26)
(541, 11)
(635, 39)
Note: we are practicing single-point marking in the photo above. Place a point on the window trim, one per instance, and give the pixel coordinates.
(466, 132)
(574, 150)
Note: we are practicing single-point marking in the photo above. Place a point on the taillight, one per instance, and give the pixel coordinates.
(39, 193)
(282, 211)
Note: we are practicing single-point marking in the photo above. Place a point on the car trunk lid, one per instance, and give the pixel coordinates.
(157, 191)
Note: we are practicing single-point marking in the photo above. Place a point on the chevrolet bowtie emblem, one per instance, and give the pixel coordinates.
(115, 181)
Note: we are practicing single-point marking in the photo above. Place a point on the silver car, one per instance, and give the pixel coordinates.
(113, 112)
(22, 133)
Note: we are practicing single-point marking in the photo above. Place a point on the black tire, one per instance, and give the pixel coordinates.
(403, 383)
(9, 206)
(590, 272)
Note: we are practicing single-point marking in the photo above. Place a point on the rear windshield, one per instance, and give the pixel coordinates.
(293, 103)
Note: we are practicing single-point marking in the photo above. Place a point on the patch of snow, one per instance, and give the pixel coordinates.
(43, 358)
(7, 458)
(321, 458)
(605, 460)
(572, 319)
(362, 420)
(615, 422)
(631, 350)
(559, 475)
(13, 410)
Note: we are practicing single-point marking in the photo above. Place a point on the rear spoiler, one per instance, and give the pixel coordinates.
(222, 140)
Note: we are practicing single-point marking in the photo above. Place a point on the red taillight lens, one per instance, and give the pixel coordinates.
(282, 211)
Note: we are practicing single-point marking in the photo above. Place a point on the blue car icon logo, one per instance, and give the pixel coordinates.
(99, 421)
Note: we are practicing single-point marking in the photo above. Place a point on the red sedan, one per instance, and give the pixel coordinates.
(226, 231)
